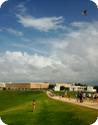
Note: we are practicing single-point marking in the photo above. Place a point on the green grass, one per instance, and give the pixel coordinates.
(16, 109)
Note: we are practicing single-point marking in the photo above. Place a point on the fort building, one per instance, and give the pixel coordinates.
(26, 86)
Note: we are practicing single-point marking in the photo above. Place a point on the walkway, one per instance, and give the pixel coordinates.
(89, 104)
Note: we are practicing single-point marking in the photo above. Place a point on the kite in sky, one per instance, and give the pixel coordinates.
(2, 1)
(95, 1)
(84, 12)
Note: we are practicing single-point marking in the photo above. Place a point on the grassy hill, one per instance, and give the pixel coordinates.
(16, 109)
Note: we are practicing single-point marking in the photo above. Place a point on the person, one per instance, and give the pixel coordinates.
(95, 97)
(34, 104)
(77, 96)
(81, 97)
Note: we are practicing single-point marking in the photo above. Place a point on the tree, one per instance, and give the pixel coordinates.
(96, 87)
(62, 88)
(51, 86)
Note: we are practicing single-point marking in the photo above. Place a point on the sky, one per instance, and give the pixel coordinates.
(48, 40)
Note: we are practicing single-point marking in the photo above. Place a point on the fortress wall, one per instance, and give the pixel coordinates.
(24, 86)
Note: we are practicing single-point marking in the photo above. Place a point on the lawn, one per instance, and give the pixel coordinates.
(16, 109)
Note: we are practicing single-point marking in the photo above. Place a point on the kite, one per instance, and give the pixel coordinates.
(2, 1)
(95, 1)
(84, 12)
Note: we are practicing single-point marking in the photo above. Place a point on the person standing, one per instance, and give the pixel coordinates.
(81, 97)
(34, 104)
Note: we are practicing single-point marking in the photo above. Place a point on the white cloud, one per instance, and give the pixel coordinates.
(95, 1)
(21, 8)
(42, 24)
(81, 52)
(18, 65)
(2, 1)
(14, 32)
(72, 56)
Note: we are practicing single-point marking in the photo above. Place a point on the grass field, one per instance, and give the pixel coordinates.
(16, 109)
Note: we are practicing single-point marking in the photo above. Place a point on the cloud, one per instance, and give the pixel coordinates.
(95, 1)
(30, 48)
(14, 32)
(78, 50)
(73, 56)
(25, 66)
(43, 24)
(21, 8)
(2, 1)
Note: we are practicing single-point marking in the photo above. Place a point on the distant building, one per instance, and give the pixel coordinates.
(90, 89)
(70, 86)
(17, 86)
(26, 86)
(77, 88)
(66, 85)
(2, 86)
(45, 86)
(57, 87)
(39, 85)
(73, 87)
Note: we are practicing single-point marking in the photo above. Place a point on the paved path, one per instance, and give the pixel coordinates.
(93, 105)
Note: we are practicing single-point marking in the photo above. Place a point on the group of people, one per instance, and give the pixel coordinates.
(80, 96)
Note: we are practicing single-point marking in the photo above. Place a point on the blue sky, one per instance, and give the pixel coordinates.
(40, 40)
